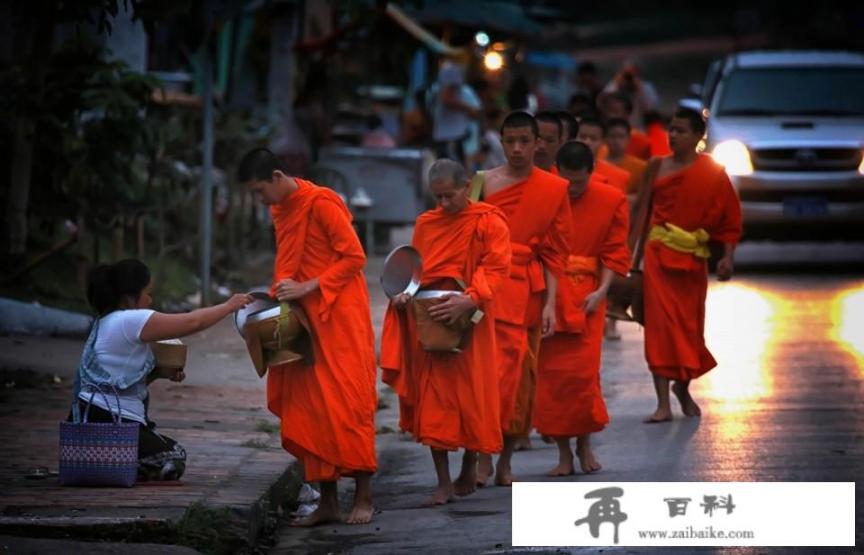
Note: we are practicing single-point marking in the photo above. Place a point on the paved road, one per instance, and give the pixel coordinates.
(785, 403)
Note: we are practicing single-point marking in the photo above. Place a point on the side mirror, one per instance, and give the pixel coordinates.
(695, 90)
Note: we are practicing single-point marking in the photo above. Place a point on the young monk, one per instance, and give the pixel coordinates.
(535, 203)
(617, 140)
(569, 400)
(619, 106)
(551, 137)
(450, 400)
(552, 133)
(693, 202)
(592, 131)
(327, 408)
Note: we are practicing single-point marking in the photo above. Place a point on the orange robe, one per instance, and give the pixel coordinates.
(615, 176)
(640, 145)
(451, 400)
(676, 283)
(635, 167)
(538, 216)
(569, 398)
(327, 409)
(659, 140)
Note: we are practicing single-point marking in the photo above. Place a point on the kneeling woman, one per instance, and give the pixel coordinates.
(117, 357)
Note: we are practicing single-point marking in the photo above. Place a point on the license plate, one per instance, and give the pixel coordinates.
(805, 206)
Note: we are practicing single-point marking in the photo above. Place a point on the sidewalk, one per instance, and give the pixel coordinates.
(237, 476)
(236, 472)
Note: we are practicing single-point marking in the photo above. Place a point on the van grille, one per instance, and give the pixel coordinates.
(806, 159)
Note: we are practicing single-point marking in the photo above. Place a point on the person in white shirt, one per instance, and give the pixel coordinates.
(117, 362)
(455, 107)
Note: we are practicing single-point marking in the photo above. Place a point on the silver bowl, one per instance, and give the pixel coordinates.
(434, 294)
(403, 269)
(264, 306)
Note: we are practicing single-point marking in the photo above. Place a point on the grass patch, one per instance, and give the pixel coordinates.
(267, 427)
(255, 444)
(211, 531)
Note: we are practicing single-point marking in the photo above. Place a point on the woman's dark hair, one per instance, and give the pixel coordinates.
(108, 284)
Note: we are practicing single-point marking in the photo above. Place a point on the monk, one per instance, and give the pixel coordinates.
(619, 106)
(569, 399)
(617, 139)
(537, 210)
(327, 408)
(450, 400)
(693, 202)
(551, 135)
(592, 132)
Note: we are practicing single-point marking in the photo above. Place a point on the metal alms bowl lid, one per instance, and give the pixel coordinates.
(402, 271)
(256, 310)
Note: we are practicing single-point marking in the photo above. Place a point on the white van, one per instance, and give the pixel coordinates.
(789, 128)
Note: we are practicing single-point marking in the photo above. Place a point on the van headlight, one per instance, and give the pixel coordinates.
(861, 165)
(733, 156)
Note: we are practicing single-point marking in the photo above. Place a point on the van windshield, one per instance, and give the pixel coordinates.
(793, 91)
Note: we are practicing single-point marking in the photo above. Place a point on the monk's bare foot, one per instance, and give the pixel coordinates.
(563, 469)
(442, 496)
(587, 460)
(522, 444)
(465, 484)
(504, 477)
(484, 470)
(548, 440)
(688, 405)
(659, 416)
(361, 512)
(322, 515)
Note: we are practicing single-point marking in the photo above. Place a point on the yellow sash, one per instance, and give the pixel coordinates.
(692, 242)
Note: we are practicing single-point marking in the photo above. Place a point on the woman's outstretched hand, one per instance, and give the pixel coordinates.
(238, 301)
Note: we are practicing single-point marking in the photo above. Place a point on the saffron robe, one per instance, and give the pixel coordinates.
(659, 140)
(635, 167)
(640, 145)
(676, 283)
(451, 400)
(537, 212)
(569, 398)
(614, 175)
(327, 409)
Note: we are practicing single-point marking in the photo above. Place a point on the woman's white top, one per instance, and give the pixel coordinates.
(118, 347)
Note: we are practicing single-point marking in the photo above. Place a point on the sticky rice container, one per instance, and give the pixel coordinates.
(170, 353)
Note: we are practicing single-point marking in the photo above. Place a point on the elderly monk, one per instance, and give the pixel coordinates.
(617, 140)
(449, 400)
(592, 131)
(327, 408)
(693, 202)
(537, 210)
(551, 135)
(569, 399)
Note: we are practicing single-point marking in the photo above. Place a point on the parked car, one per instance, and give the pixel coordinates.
(789, 128)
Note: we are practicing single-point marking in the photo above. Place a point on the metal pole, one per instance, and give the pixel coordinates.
(206, 228)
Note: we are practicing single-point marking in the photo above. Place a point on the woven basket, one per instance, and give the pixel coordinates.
(99, 454)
